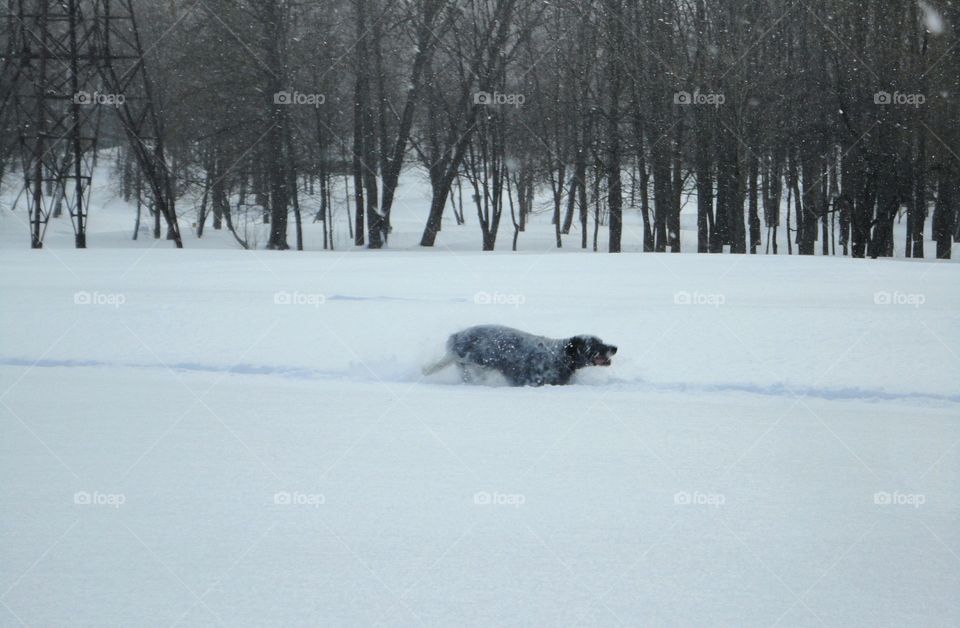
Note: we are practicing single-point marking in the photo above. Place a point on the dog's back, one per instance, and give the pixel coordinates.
(522, 358)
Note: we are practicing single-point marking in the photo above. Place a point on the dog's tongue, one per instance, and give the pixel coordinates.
(601, 360)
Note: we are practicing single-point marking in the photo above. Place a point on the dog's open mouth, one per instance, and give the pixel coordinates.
(602, 358)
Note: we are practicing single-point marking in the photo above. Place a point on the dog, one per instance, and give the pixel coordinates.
(523, 359)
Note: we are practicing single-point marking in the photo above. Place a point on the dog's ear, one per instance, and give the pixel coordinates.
(574, 350)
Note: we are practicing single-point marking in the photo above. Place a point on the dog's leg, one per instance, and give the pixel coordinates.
(468, 373)
(444, 362)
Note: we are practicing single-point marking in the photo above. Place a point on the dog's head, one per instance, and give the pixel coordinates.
(588, 351)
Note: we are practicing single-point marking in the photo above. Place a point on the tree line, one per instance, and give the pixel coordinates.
(827, 119)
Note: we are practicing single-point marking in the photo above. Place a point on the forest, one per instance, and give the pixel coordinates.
(828, 121)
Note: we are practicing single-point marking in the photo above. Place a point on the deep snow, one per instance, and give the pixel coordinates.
(224, 437)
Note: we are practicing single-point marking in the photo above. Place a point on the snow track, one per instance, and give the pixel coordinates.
(361, 373)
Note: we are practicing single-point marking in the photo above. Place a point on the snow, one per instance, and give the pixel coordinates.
(932, 19)
(215, 436)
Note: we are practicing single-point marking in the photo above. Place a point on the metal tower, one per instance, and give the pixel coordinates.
(71, 62)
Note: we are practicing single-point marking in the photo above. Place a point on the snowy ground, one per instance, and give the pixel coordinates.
(223, 437)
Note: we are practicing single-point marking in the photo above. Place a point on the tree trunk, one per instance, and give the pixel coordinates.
(807, 209)
(673, 221)
(358, 236)
(917, 214)
(367, 129)
(753, 204)
(276, 136)
(615, 51)
(945, 213)
(704, 198)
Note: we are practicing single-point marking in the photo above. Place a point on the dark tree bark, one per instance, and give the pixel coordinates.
(643, 174)
(753, 204)
(704, 189)
(808, 208)
(662, 198)
(917, 212)
(945, 213)
(274, 38)
(365, 130)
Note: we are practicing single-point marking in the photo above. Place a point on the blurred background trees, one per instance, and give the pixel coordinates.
(831, 120)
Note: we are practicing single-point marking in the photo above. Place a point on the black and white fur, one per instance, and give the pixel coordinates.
(523, 359)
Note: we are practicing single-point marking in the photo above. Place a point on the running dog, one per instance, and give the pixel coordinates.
(523, 359)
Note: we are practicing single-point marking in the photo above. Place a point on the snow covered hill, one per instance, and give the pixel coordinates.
(223, 437)
(244, 438)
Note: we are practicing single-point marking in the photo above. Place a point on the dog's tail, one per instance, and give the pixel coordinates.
(448, 358)
(444, 362)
